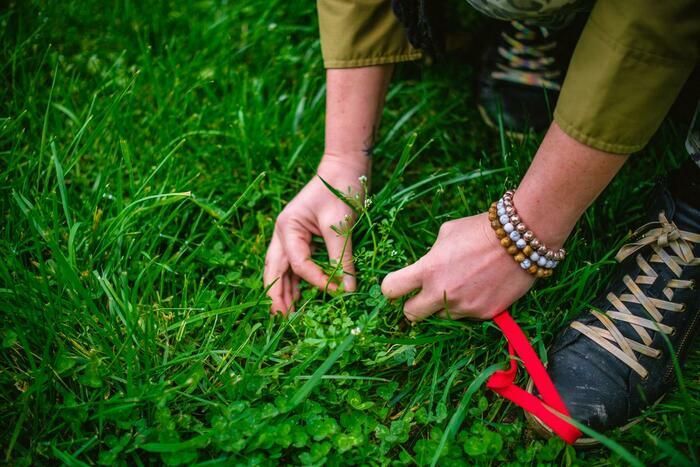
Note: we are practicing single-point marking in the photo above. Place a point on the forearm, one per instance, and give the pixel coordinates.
(565, 177)
(354, 103)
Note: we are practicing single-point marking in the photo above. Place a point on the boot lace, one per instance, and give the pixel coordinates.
(671, 247)
(524, 57)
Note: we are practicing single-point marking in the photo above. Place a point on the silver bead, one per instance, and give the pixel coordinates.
(555, 264)
(510, 210)
(550, 255)
(542, 261)
(521, 243)
(501, 212)
(528, 236)
(503, 219)
(514, 235)
(522, 228)
(534, 243)
(515, 219)
(535, 257)
(525, 264)
(508, 227)
(549, 264)
(563, 251)
(557, 256)
(542, 250)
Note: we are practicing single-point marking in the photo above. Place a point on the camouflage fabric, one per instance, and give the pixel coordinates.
(546, 13)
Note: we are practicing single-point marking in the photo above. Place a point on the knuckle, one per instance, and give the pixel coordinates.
(347, 257)
(282, 220)
(454, 293)
(430, 267)
(446, 228)
(465, 304)
(468, 308)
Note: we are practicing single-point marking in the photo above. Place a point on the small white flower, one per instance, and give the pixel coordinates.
(356, 331)
(362, 179)
(368, 203)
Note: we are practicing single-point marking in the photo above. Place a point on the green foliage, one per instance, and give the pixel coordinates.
(146, 149)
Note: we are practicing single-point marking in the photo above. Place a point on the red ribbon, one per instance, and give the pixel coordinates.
(548, 408)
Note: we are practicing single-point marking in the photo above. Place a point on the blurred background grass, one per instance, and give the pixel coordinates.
(146, 149)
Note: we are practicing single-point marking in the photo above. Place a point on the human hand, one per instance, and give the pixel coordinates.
(466, 274)
(314, 211)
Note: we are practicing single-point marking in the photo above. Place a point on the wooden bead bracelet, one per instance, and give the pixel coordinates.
(525, 248)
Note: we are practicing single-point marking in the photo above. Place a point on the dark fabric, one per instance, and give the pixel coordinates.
(424, 24)
(685, 184)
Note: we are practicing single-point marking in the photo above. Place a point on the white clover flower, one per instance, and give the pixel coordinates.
(356, 331)
(368, 203)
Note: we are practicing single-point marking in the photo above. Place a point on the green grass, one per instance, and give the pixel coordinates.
(146, 149)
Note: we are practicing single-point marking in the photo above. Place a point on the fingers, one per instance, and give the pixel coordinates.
(296, 240)
(403, 281)
(421, 306)
(340, 249)
(444, 314)
(296, 293)
(276, 294)
(276, 265)
(288, 300)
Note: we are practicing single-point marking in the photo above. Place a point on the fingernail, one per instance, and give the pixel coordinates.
(349, 283)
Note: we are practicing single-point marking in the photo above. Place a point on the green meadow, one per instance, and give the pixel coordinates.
(146, 148)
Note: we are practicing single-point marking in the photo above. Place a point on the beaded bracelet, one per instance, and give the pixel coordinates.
(525, 248)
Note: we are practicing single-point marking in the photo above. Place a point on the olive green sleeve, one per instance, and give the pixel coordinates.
(628, 67)
(357, 33)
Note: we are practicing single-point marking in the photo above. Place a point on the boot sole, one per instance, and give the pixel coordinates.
(545, 432)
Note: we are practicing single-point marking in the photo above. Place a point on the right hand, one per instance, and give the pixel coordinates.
(312, 212)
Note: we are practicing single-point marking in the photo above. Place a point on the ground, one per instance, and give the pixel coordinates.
(146, 150)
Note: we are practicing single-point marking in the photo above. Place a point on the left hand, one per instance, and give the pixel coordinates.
(466, 274)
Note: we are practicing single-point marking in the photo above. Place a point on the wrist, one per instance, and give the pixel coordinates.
(353, 164)
(552, 222)
(564, 178)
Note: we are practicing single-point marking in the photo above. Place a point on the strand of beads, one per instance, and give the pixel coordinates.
(520, 242)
